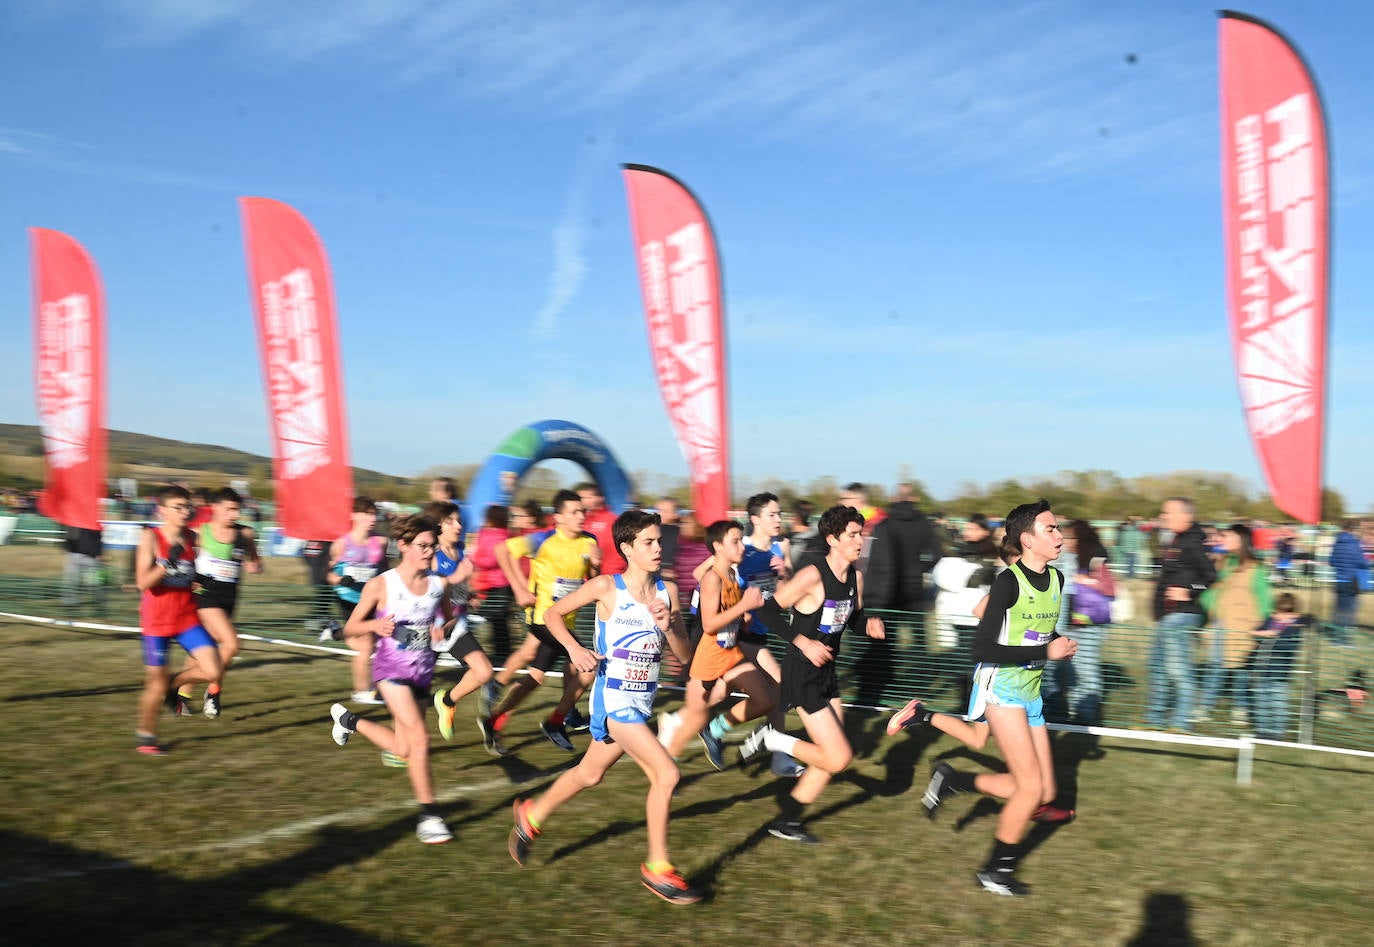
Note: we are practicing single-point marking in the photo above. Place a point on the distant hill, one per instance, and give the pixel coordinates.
(156, 459)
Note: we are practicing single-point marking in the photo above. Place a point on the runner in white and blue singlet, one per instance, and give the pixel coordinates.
(632, 649)
(634, 611)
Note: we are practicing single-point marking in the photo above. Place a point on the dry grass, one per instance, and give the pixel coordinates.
(257, 829)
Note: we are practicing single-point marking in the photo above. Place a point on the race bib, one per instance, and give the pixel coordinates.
(835, 615)
(411, 637)
(180, 574)
(221, 570)
(359, 573)
(728, 635)
(562, 587)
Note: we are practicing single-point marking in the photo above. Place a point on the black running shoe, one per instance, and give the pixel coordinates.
(938, 789)
(574, 722)
(491, 740)
(1001, 882)
(792, 831)
(177, 705)
(557, 735)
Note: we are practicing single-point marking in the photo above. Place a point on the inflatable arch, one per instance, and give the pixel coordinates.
(544, 440)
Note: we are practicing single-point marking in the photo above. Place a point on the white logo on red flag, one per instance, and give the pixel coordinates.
(295, 368)
(65, 366)
(681, 330)
(1276, 190)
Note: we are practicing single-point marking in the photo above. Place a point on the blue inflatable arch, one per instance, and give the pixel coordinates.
(496, 482)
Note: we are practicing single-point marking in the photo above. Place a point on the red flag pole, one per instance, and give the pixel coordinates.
(680, 278)
(1276, 220)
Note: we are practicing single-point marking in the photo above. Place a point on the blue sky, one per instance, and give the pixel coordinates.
(938, 231)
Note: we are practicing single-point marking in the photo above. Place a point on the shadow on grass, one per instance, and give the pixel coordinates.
(56, 893)
(1165, 923)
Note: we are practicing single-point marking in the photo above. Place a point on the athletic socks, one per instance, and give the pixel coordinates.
(349, 720)
(498, 722)
(448, 699)
(428, 808)
(556, 718)
(959, 781)
(719, 726)
(789, 809)
(212, 689)
(1005, 856)
(778, 742)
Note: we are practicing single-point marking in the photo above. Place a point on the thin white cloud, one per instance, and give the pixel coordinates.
(569, 271)
(1041, 88)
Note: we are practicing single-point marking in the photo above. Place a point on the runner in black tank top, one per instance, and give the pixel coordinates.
(825, 596)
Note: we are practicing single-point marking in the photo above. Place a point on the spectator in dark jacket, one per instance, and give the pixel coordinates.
(1185, 572)
(905, 548)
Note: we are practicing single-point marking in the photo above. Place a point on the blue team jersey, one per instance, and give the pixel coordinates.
(757, 572)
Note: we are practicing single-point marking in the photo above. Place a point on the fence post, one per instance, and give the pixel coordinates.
(1311, 659)
(1245, 758)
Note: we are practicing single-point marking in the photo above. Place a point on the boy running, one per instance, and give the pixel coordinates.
(561, 561)
(406, 611)
(1014, 639)
(825, 597)
(719, 667)
(164, 570)
(451, 566)
(355, 558)
(634, 613)
(226, 551)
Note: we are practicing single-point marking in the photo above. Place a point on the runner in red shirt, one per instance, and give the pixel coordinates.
(599, 522)
(165, 568)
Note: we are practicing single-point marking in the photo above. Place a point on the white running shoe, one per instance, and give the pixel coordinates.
(754, 743)
(366, 697)
(667, 727)
(432, 831)
(340, 732)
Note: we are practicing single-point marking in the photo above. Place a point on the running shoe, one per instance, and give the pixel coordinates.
(522, 834)
(367, 697)
(574, 722)
(1052, 815)
(1001, 882)
(487, 696)
(393, 761)
(491, 740)
(938, 789)
(667, 728)
(431, 830)
(211, 705)
(753, 744)
(340, 732)
(669, 886)
(177, 705)
(714, 747)
(557, 735)
(332, 631)
(785, 767)
(792, 831)
(913, 714)
(446, 714)
(148, 746)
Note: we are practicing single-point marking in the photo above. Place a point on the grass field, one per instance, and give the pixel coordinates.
(257, 829)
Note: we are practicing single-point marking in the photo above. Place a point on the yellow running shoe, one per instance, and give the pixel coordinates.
(446, 714)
